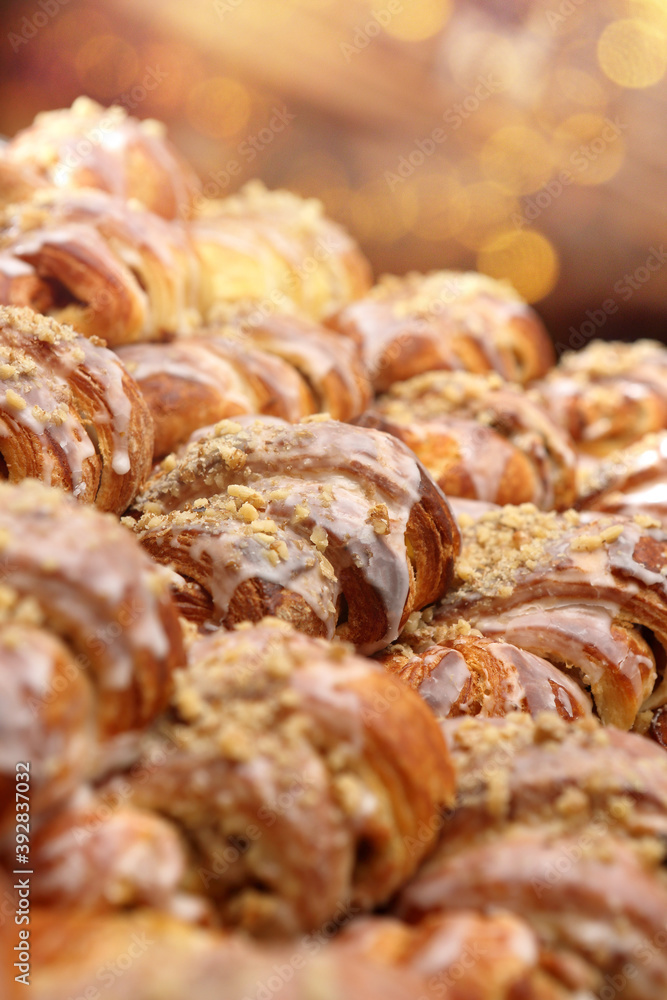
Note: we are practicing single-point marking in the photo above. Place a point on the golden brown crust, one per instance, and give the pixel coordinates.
(283, 367)
(446, 319)
(88, 146)
(559, 824)
(575, 589)
(331, 367)
(465, 955)
(111, 639)
(105, 266)
(470, 675)
(272, 247)
(480, 438)
(69, 413)
(609, 394)
(97, 854)
(347, 504)
(194, 382)
(630, 480)
(317, 766)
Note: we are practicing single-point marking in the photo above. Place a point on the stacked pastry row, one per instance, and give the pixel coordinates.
(267, 810)
(296, 802)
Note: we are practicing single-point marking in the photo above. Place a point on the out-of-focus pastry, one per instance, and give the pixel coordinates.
(446, 319)
(89, 146)
(480, 438)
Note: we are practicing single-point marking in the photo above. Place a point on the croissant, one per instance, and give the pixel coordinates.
(631, 480)
(609, 394)
(148, 955)
(17, 181)
(88, 146)
(330, 526)
(463, 673)
(105, 266)
(586, 592)
(288, 368)
(480, 438)
(446, 319)
(70, 415)
(463, 955)
(556, 823)
(274, 248)
(89, 639)
(96, 855)
(315, 766)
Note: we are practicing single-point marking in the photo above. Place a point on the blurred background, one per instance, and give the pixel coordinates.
(525, 138)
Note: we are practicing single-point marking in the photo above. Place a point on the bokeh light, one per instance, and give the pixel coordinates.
(412, 22)
(219, 107)
(489, 206)
(591, 147)
(518, 158)
(527, 259)
(633, 52)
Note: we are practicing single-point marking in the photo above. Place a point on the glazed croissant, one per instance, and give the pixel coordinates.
(446, 319)
(457, 671)
(286, 367)
(480, 438)
(563, 825)
(609, 394)
(330, 526)
(586, 592)
(17, 181)
(69, 413)
(88, 146)
(107, 267)
(95, 854)
(89, 639)
(315, 766)
(631, 481)
(462, 955)
(273, 248)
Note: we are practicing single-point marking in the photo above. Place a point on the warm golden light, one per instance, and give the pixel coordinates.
(581, 87)
(526, 259)
(633, 52)
(592, 147)
(518, 158)
(490, 206)
(442, 206)
(412, 22)
(219, 107)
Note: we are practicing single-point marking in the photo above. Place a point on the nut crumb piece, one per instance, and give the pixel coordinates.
(379, 519)
(14, 400)
(319, 538)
